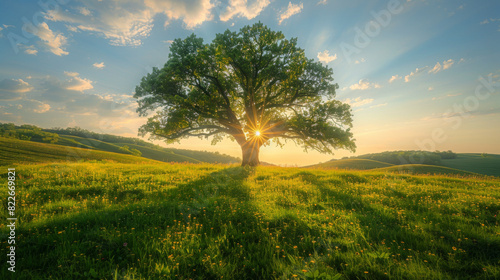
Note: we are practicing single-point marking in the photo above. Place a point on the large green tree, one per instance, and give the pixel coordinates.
(254, 86)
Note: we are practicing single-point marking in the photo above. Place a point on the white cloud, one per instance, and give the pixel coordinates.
(447, 64)
(52, 42)
(394, 78)
(31, 50)
(364, 84)
(358, 102)
(291, 10)
(76, 83)
(417, 71)
(72, 28)
(1, 35)
(99, 65)
(35, 106)
(325, 57)
(193, 12)
(241, 8)
(438, 67)
(13, 89)
(322, 2)
(128, 22)
(84, 11)
(71, 74)
(430, 88)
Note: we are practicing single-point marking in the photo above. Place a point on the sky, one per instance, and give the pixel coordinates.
(419, 75)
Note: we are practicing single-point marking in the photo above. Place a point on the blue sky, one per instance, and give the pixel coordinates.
(418, 74)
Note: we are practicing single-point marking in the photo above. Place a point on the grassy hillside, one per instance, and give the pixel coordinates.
(162, 221)
(488, 164)
(95, 144)
(81, 138)
(162, 154)
(358, 164)
(425, 169)
(13, 151)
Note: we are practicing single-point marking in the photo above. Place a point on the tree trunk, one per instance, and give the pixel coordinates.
(250, 151)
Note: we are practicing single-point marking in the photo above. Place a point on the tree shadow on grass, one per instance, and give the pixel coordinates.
(217, 227)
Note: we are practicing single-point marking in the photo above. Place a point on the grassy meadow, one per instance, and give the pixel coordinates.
(98, 220)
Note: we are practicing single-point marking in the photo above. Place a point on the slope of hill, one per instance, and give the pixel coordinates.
(95, 144)
(162, 155)
(81, 138)
(424, 169)
(358, 164)
(488, 164)
(14, 151)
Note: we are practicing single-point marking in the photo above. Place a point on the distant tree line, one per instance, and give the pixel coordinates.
(410, 157)
(27, 132)
(80, 132)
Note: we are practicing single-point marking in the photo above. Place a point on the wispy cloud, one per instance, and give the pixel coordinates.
(325, 57)
(394, 78)
(53, 42)
(378, 105)
(127, 24)
(13, 89)
(241, 8)
(358, 102)
(364, 84)
(30, 50)
(360, 61)
(417, 72)
(99, 65)
(291, 10)
(76, 83)
(438, 67)
(446, 96)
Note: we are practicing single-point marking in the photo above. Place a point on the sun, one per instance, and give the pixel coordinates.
(257, 133)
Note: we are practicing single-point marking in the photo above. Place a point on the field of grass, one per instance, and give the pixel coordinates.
(358, 164)
(20, 151)
(487, 164)
(202, 221)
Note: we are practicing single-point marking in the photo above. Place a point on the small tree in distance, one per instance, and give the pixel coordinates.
(254, 86)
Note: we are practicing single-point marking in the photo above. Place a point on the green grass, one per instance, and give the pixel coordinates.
(161, 155)
(175, 221)
(13, 151)
(358, 164)
(425, 169)
(96, 144)
(488, 165)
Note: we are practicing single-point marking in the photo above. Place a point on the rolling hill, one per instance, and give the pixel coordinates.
(450, 163)
(14, 151)
(357, 164)
(425, 169)
(488, 164)
(81, 138)
(97, 220)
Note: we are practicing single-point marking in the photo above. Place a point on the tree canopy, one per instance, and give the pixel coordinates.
(253, 86)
